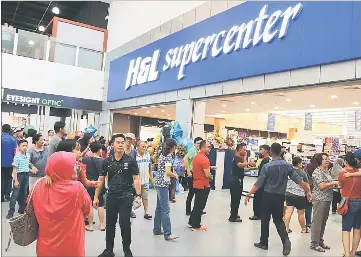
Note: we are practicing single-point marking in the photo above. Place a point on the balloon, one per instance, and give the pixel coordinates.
(26, 129)
(173, 122)
(91, 130)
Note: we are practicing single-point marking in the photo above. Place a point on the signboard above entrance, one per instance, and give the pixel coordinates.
(250, 39)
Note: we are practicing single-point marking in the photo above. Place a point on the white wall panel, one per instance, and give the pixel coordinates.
(306, 76)
(80, 36)
(51, 78)
(358, 68)
(338, 71)
(130, 19)
(232, 87)
(198, 92)
(277, 80)
(253, 84)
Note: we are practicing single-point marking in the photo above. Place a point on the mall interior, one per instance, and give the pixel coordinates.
(226, 71)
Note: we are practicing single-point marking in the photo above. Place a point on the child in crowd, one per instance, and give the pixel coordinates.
(21, 165)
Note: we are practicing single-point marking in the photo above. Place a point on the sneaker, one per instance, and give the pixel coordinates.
(261, 246)
(128, 253)
(9, 216)
(235, 220)
(148, 217)
(107, 253)
(132, 215)
(254, 218)
(286, 247)
(172, 237)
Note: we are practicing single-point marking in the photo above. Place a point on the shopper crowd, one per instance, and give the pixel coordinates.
(72, 177)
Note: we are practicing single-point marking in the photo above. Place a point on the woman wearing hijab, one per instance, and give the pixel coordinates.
(336, 169)
(61, 209)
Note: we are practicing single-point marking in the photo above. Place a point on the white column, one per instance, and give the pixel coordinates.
(77, 56)
(16, 40)
(105, 123)
(47, 124)
(191, 114)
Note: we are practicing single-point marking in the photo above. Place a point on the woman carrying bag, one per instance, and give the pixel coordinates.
(350, 206)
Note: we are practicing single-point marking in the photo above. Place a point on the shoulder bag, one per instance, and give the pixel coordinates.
(24, 228)
(343, 205)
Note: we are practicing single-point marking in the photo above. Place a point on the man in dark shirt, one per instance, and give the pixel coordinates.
(264, 152)
(123, 185)
(238, 165)
(273, 178)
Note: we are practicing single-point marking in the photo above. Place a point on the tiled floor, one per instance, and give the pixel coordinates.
(221, 239)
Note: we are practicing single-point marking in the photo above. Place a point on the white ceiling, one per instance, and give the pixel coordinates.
(334, 104)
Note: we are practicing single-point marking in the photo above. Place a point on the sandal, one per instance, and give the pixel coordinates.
(326, 247)
(289, 231)
(317, 248)
(305, 231)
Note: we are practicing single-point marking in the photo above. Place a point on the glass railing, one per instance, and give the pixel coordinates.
(7, 39)
(42, 47)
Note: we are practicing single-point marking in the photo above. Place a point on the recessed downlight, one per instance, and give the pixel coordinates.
(312, 106)
(276, 107)
(162, 110)
(41, 28)
(288, 100)
(223, 111)
(153, 106)
(333, 96)
(144, 107)
(224, 105)
(247, 110)
(135, 113)
(253, 102)
(148, 111)
(355, 103)
(168, 114)
(155, 115)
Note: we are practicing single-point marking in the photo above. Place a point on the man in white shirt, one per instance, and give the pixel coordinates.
(145, 172)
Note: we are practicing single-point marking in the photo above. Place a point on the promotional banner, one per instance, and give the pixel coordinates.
(250, 39)
(271, 122)
(308, 121)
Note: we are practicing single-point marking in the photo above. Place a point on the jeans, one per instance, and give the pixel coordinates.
(236, 194)
(308, 214)
(19, 193)
(321, 211)
(190, 195)
(123, 208)
(272, 204)
(161, 217)
(257, 203)
(6, 182)
(199, 204)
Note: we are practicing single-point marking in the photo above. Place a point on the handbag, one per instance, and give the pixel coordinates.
(24, 228)
(343, 205)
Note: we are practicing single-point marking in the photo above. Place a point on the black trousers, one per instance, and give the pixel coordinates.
(336, 200)
(257, 202)
(6, 182)
(213, 181)
(123, 208)
(190, 195)
(272, 204)
(236, 190)
(199, 205)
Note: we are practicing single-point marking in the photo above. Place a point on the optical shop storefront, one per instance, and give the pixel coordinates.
(20, 108)
(258, 72)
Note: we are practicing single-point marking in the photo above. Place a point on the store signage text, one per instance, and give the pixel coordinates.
(142, 70)
(33, 100)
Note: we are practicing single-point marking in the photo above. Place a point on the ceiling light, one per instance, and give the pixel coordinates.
(162, 110)
(334, 96)
(148, 111)
(222, 111)
(135, 113)
(144, 107)
(276, 107)
(31, 42)
(247, 110)
(224, 105)
(41, 28)
(155, 115)
(253, 102)
(288, 100)
(355, 103)
(55, 10)
(153, 106)
(168, 114)
(312, 106)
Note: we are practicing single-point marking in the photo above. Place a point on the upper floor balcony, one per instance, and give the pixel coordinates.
(42, 47)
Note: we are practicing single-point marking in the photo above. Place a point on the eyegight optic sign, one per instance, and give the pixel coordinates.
(33, 100)
(250, 39)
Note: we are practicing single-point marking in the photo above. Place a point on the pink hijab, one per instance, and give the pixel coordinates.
(60, 200)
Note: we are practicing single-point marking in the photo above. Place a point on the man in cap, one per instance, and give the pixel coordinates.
(129, 145)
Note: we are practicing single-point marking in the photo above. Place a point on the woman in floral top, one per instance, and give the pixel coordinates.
(322, 195)
(162, 183)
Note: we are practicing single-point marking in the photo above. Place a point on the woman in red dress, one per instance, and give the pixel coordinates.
(61, 209)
